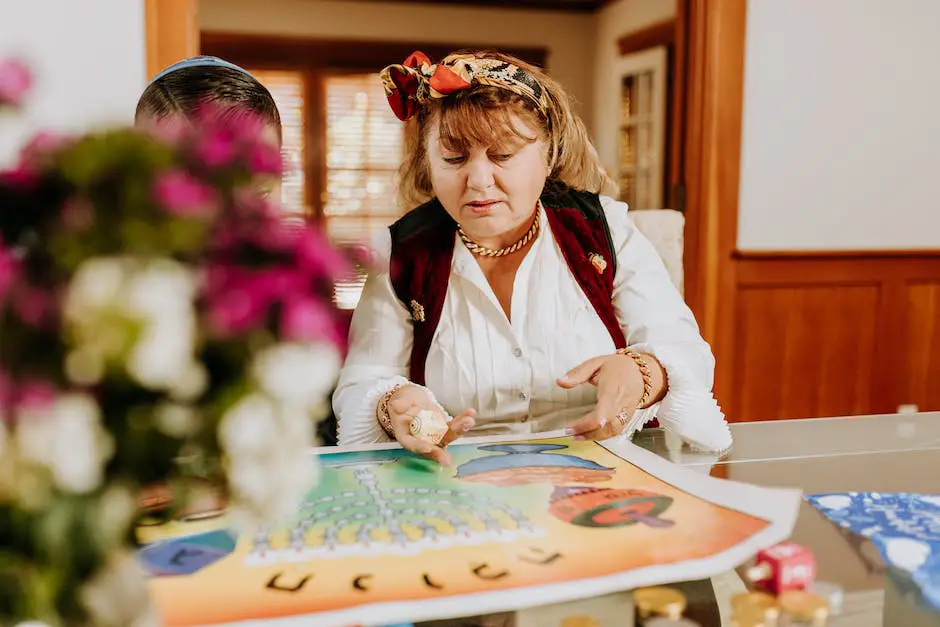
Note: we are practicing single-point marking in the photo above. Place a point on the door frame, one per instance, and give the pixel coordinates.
(711, 50)
(171, 30)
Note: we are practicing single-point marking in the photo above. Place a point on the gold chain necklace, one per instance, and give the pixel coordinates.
(483, 251)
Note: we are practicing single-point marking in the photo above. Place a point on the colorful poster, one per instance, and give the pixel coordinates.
(386, 537)
(904, 527)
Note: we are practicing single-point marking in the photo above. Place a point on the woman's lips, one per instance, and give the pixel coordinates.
(482, 207)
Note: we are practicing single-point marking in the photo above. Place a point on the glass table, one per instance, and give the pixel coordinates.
(887, 453)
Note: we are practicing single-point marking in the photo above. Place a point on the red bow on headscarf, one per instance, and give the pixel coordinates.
(414, 81)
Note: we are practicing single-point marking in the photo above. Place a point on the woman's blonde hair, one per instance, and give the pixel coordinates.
(482, 115)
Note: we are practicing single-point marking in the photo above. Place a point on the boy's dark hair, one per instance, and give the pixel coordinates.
(183, 91)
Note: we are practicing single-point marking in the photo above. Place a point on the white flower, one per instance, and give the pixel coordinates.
(250, 428)
(117, 594)
(267, 493)
(164, 351)
(164, 288)
(118, 506)
(297, 374)
(84, 366)
(176, 421)
(269, 463)
(69, 440)
(190, 383)
(96, 284)
(6, 459)
(120, 308)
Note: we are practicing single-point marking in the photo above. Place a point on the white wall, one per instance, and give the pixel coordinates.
(841, 136)
(88, 60)
(569, 37)
(615, 20)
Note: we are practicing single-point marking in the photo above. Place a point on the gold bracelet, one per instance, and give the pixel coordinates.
(644, 372)
(381, 410)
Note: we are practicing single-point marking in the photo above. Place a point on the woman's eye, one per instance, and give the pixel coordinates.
(502, 157)
(453, 160)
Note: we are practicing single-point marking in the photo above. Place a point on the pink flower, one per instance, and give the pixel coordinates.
(305, 319)
(216, 149)
(31, 394)
(22, 175)
(169, 130)
(32, 305)
(41, 144)
(234, 311)
(9, 265)
(265, 159)
(182, 195)
(35, 394)
(317, 255)
(15, 81)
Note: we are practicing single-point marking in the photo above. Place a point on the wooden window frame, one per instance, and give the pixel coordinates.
(316, 58)
(664, 34)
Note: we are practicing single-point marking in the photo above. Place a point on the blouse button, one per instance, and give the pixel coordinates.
(517, 352)
(522, 396)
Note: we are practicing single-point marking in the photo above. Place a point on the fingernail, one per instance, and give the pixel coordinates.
(569, 431)
(579, 438)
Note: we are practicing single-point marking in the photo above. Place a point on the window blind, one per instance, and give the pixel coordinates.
(363, 152)
(288, 90)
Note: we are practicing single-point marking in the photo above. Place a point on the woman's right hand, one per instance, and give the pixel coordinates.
(405, 404)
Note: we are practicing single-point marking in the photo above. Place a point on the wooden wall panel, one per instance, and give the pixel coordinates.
(804, 351)
(920, 383)
(832, 334)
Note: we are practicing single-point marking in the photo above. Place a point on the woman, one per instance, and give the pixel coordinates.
(517, 299)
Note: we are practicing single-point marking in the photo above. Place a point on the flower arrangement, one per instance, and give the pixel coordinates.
(162, 331)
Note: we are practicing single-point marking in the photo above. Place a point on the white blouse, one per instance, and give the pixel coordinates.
(507, 369)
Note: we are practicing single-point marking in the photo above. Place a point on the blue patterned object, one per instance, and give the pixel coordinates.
(904, 527)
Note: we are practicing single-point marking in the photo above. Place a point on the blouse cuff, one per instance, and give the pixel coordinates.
(688, 408)
(362, 426)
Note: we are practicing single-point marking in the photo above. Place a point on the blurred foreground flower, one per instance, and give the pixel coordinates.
(15, 81)
(162, 326)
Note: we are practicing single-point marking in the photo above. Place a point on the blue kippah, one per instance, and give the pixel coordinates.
(200, 61)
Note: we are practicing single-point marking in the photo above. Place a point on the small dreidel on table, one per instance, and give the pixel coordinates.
(800, 608)
(429, 426)
(754, 609)
(659, 602)
(782, 567)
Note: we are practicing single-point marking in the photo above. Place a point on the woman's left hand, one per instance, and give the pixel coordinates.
(619, 390)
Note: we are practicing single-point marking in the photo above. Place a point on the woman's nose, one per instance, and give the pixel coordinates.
(480, 173)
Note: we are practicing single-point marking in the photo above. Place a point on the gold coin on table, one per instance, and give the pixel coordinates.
(659, 601)
(751, 617)
(756, 601)
(804, 606)
(579, 620)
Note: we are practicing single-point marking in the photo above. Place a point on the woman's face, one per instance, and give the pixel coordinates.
(489, 190)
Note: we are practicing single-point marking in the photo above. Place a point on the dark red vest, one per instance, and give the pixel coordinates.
(423, 249)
